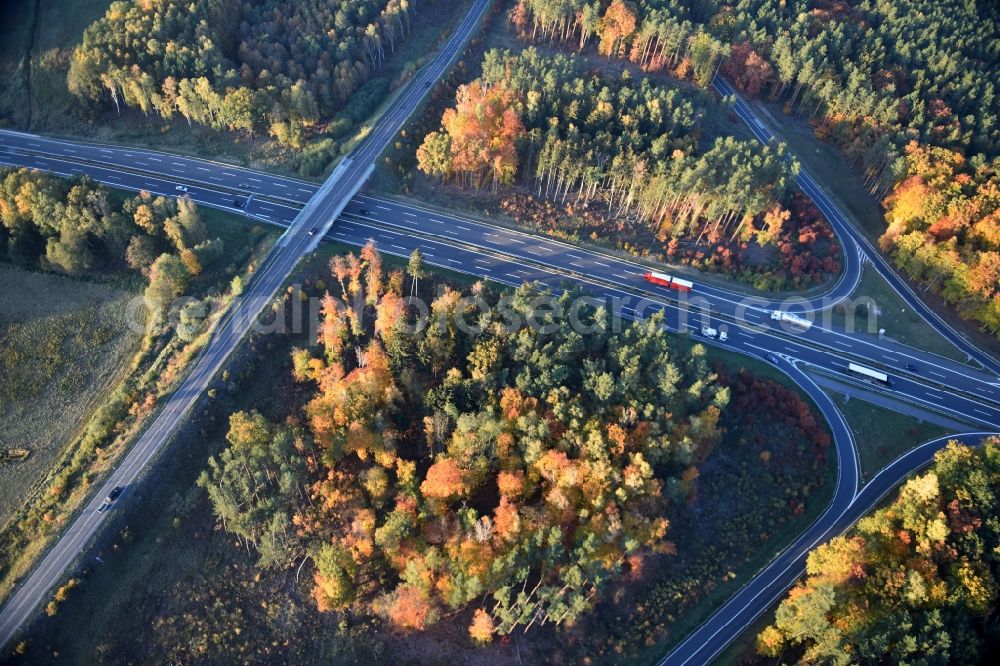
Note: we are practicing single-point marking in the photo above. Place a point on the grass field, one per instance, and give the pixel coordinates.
(882, 435)
(900, 322)
(62, 344)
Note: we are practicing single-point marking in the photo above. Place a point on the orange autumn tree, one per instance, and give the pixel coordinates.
(478, 141)
(944, 229)
(447, 467)
(616, 28)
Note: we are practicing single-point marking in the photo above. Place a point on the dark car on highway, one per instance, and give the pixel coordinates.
(238, 203)
(364, 211)
(314, 231)
(109, 500)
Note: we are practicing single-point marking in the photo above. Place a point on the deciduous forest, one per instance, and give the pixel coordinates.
(518, 467)
(913, 582)
(75, 227)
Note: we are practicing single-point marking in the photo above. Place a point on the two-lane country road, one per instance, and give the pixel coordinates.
(320, 212)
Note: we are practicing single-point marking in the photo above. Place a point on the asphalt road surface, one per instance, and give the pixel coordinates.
(320, 212)
(511, 257)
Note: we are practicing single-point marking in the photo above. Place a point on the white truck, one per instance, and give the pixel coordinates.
(710, 332)
(793, 319)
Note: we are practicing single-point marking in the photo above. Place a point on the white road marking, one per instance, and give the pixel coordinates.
(463, 228)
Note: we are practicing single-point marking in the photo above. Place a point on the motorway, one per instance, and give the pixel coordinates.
(512, 257)
(297, 241)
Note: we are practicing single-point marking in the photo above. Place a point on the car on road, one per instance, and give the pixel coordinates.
(245, 186)
(365, 211)
(238, 203)
(314, 231)
(723, 336)
(772, 358)
(181, 188)
(427, 84)
(110, 499)
(912, 368)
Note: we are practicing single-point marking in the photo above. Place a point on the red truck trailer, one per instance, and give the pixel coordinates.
(669, 282)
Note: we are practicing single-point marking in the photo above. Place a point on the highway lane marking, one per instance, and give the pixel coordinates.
(936, 374)
(976, 409)
(409, 213)
(431, 219)
(516, 240)
(277, 184)
(302, 189)
(178, 164)
(842, 344)
(573, 263)
(201, 168)
(398, 247)
(256, 180)
(463, 228)
(383, 207)
(155, 159)
(600, 263)
(226, 173)
(454, 261)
